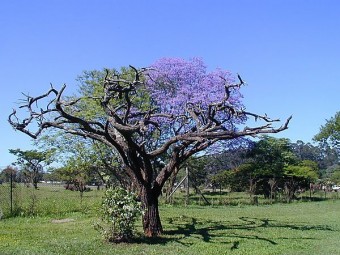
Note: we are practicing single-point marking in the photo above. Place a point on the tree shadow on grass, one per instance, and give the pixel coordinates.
(265, 223)
(161, 240)
(184, 228)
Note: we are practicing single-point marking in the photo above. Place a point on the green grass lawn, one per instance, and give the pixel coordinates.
(297, 228)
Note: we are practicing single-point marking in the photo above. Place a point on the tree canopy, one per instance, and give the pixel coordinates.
(330, 131)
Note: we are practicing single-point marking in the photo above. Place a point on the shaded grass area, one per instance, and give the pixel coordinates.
(298, 228)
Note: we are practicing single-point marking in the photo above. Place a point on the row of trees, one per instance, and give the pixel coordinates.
(257, 161)
(140, 126)
(273, 165)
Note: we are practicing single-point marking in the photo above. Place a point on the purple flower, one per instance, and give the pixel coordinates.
(174, 83)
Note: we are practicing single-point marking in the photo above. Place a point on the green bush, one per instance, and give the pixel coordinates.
(120, 210)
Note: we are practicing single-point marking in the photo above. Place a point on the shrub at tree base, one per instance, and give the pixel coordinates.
(120, 210)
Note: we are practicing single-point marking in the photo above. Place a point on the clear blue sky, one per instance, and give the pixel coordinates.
(288, 51)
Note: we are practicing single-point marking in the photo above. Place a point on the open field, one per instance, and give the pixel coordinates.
(297, 228)
(47, 200)
(55, 200)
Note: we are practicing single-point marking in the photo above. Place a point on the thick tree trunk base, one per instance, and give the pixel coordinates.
(152, 225)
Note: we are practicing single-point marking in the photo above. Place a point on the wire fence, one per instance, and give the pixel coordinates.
(10, 194)
(19, 199)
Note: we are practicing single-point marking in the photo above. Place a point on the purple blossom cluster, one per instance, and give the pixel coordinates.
(175, 82)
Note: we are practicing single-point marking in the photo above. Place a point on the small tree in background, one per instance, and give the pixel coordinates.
(299, 176)
(335, 177)
(31, 162)
(9, 173)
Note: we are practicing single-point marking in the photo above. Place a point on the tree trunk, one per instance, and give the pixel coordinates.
(35, 179)
(151, 221)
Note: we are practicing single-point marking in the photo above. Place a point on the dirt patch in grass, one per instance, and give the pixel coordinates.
(62, 220)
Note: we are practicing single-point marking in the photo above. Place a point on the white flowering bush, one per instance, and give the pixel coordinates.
(120, 210)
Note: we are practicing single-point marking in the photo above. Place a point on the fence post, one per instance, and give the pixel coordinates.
(187, 186)
(11, 193)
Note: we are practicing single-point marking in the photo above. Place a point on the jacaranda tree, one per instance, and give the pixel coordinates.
(154, 119)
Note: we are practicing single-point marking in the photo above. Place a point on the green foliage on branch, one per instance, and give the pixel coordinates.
(301, 171)
(330, 131)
